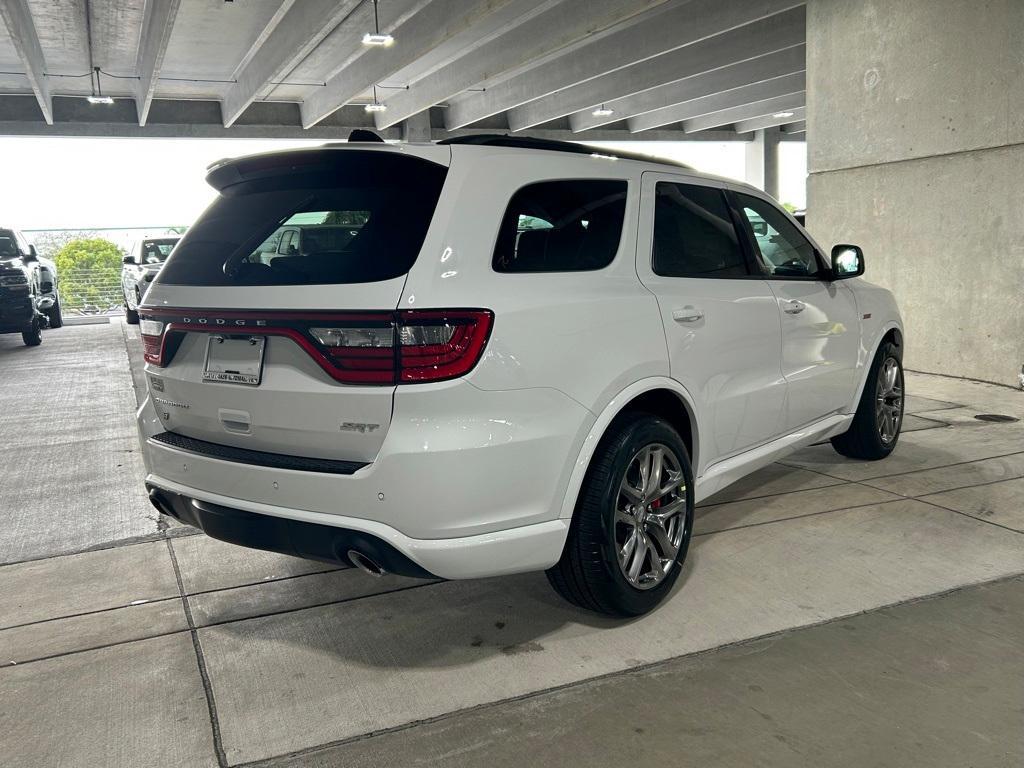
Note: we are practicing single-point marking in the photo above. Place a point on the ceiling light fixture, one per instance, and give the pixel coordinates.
(377, 38)
(97, 96)
(780, 115)
(375, 106)
(372, 38)
(603, 111)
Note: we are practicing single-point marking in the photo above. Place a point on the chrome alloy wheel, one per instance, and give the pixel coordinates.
(650, 515)
(889, 401)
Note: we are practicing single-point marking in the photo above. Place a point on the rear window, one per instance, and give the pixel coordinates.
(561, 226)
(348, 217)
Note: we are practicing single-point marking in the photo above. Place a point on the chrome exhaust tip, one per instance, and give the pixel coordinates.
(158, 501)
(365, 564)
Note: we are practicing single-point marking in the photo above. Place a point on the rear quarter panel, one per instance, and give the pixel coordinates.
(587, 334)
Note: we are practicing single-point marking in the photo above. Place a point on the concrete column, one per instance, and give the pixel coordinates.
(763, 160)
(417, 127)
(916, 153)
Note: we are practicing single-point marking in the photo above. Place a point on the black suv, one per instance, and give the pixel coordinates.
(19, 289)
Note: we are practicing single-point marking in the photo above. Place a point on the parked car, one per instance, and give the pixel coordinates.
(139, 268)
(20, 289)
(530, 357)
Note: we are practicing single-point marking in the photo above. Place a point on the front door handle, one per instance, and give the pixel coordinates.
(794, 307)
(687, 314)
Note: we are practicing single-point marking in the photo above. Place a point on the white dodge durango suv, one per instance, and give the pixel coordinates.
(527, 356)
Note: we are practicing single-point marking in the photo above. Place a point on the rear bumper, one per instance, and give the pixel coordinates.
(474, 490)
(313, 541)
(329, 537)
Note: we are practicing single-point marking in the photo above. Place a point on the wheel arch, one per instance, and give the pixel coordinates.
(891, 331)
(659, 396)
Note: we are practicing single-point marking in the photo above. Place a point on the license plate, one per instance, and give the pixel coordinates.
(234, 359)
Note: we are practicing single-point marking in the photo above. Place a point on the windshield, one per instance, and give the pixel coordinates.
(8, 246)
(356, 217)
(157, 251)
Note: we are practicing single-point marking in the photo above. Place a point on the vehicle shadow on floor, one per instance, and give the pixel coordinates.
(437, 625)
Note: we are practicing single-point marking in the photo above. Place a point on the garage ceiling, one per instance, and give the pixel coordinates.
(586, 69)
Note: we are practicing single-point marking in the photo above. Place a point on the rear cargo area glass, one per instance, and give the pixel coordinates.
(315, 217)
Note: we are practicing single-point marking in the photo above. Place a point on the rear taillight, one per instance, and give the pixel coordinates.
(437, 345)
(152, 332)
(410, 346)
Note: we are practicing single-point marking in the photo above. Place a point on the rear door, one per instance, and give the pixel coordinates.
(290, 353)
(721, 322)
(820, 320)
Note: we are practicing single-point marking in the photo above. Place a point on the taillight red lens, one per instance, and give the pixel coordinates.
(152, 332)
(406, 347)
(436, 345)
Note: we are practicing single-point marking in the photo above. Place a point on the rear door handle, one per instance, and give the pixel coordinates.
(687, 314)
(794, 307)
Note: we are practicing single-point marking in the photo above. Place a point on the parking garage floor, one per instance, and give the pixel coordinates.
(831, 612)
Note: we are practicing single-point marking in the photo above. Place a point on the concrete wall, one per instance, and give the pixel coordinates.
(915, 118)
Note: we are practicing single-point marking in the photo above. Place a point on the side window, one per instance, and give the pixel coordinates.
(781, 250)
(694, 235)
(561, 226)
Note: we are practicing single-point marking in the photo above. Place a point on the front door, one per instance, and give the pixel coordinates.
(820, 320)
(721, 321)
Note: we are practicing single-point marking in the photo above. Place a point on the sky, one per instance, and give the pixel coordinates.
(92, 183)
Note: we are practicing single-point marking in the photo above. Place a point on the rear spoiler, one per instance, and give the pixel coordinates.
(231, 171)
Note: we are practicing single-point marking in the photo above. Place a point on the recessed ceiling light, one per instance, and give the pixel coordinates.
(99, 99)
(780, 115)
(376, 107)
(376, 38)
(603, 111)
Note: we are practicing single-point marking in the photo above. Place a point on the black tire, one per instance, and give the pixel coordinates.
(864, 439)
(131, 316)
(55, 315)
(33, 335)
(589, 574)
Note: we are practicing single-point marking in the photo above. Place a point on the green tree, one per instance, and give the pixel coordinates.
(47, 243)
(90, 272)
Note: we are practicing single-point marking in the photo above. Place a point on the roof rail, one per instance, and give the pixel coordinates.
(553, 145)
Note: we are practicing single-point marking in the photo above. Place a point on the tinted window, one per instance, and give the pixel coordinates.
(561, 226)
(781, 250)
(694, 235)
(367, 214)
(156, 251)
(8, 244)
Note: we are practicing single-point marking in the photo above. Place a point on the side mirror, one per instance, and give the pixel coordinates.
(127, 259)
(847, 261)
(32, 256)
